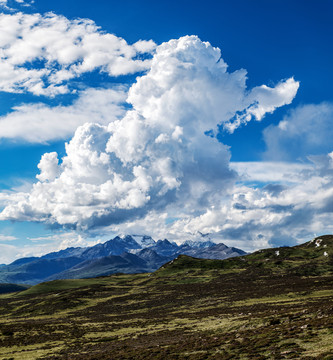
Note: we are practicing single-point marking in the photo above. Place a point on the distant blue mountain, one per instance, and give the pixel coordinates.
(126, 254)
(36, 270)
(23, 261)
(165, 248)
(116, 246)
(69, 252)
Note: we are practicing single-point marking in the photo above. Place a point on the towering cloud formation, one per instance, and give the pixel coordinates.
(162, 151)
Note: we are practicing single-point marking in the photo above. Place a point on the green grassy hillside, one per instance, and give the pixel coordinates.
(312, 258)
(272, 304)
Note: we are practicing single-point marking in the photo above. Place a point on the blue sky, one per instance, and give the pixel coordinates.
(179, 117)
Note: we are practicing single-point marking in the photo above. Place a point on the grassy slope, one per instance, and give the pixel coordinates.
(261, 306)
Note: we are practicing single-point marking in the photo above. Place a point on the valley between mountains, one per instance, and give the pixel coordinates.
(272, 304)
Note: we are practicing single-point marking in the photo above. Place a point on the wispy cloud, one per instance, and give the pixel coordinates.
(40, 123)
(271, 171)
(12, 4)
(7, 237)
(42, 245)
(306, 130)
(62, 241)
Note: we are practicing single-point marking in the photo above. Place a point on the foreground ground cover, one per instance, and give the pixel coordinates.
(262, 306)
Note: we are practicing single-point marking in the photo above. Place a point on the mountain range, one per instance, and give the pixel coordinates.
(122, 254)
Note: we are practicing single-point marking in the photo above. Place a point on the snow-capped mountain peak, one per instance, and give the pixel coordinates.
(144, 240)
(199, 244)
(199, 240)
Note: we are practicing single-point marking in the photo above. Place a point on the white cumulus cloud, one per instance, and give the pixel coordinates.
(161, 155)
(7, 237)
(262, 100)
(41, 53)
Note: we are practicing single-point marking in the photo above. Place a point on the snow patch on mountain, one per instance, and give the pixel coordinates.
(144, 240)
(199, 240)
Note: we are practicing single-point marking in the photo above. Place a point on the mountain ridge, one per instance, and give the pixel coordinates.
(79, 262)
(312, 258)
